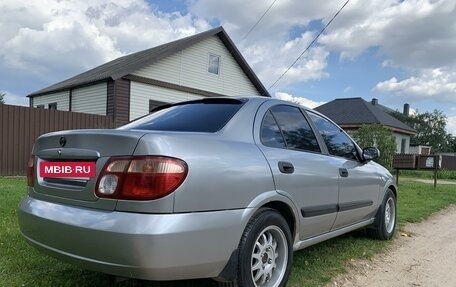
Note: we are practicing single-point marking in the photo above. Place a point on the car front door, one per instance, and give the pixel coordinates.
(301, 172)
(359, 182)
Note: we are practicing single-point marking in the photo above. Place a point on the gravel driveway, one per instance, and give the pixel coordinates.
(423, 255)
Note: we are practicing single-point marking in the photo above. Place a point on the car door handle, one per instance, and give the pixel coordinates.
(343, 172)
(286, 167)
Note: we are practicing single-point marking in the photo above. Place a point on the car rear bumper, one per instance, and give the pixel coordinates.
(145, 246)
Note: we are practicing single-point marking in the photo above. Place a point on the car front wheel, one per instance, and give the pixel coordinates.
(385, 221)
(265, 251)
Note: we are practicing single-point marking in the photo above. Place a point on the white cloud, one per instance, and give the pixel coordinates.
(430, 83)
(279, 38)
(415, 33)
(54, 39)
(238, 16)
(416, 36)
(413, 112)
(310, 67)
(12, 99)
(347, 89)
(298, 100)
(451, 125)
(50, 40)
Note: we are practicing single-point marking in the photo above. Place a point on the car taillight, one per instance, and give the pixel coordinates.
(140, 177)
(31, 171)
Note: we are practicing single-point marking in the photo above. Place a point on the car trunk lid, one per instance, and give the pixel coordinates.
(83, 146)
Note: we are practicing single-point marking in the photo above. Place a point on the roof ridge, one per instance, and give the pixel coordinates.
(370, 108)
(354, 98)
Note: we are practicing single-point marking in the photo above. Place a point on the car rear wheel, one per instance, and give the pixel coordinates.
(385, 221)
(265, 251)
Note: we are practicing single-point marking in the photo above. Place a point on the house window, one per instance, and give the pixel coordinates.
(403, 144)
(40, 106)
(214, 64)
(52, 106)
(155, 104)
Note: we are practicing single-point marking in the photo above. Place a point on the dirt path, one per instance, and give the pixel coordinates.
(439, 181)
(426, 257)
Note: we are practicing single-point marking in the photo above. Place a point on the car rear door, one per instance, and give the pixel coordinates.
(359, 182)
(301, 172)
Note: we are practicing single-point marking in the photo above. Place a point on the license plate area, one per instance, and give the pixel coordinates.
(83, 170)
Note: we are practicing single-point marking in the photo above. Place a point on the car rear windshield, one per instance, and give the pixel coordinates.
(207, 115)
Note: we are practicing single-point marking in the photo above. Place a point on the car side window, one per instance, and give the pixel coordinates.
(270, 132)
(338, 143)
(295, 129)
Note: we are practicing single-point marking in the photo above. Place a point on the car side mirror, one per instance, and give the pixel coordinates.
(370, 153)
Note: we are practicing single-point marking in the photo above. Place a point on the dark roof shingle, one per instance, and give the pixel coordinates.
(357, 111)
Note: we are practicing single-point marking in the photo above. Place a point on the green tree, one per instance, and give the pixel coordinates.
(451, 143)
(430, 128)
(379, 136)
(2, 100)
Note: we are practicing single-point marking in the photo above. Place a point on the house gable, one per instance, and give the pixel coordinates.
(189, 68)
(175, 71)
(120, 67)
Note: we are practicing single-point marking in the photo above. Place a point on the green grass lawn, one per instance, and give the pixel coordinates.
(22, 265)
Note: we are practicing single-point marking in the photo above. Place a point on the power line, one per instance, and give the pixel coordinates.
(308, 46)
(259, 20)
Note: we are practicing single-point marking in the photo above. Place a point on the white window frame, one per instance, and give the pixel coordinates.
(211, 65)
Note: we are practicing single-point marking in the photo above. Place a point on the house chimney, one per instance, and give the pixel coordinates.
(374, 101)
(406, 109)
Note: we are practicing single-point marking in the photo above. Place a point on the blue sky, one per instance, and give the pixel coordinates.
(396, 51)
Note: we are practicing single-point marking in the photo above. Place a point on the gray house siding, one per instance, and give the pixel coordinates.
(189, 68)
(184, 76)
(402, 142)
(141, 93)
(90, 99)
(61, 98)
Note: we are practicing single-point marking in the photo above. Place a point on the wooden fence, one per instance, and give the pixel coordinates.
(448, 162)
(20, 126)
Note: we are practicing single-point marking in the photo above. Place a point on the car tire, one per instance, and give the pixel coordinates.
(265, 251)
(385, 220)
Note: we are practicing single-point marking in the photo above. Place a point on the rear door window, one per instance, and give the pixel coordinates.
(270, 132)
(296, 131)
(207, 115)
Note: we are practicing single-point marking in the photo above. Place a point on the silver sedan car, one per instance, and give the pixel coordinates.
(223, 188)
